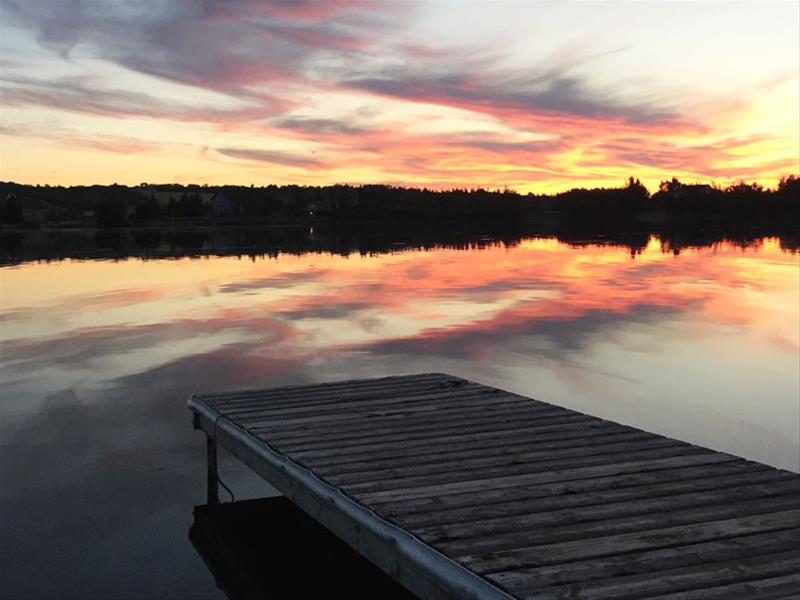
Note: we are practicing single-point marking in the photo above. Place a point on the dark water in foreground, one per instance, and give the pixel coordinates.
(100, 468)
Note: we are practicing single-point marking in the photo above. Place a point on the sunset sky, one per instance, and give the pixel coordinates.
(537, 96)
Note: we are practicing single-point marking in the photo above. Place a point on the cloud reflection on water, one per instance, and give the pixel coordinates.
(544, 298)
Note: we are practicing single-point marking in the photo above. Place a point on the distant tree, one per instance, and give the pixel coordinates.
(148, 208)
(744, 189)
(11, 212)
(189, 205)
(790, 186)
(111, 214)
(637, 190)
(670, 186)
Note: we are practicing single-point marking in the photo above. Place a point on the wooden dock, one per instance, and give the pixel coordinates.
(459, 490)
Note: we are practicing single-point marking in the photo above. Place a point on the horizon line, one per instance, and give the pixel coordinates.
(493, 189)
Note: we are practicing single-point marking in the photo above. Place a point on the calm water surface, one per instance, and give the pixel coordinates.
(100, 466)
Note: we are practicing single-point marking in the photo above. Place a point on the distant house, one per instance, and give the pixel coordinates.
(163, 197)
(222, 205)
(36, 210)
(693, 190)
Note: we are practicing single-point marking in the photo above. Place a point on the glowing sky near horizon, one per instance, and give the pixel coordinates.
(537, 96)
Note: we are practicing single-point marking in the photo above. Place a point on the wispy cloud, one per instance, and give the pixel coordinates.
(75, 138)
(512, 95)
(271, 156)
(85, 94)
(225, 47)
(257, 80)
(312, 126)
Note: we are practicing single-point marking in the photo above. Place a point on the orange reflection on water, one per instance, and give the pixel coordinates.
(428, 290)
(677, 344)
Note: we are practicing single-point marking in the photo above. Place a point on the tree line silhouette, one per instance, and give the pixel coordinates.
(362, 237)
(123, 206)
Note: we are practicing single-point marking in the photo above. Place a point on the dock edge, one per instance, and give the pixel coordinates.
(418, 567)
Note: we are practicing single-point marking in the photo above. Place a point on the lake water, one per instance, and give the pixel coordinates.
(100, 465)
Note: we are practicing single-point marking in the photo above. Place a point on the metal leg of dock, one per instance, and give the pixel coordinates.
(212, 486)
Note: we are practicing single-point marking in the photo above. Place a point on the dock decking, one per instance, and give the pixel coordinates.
(459, 490)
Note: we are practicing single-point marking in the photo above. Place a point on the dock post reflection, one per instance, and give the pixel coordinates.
(268, 548)
(212, 477)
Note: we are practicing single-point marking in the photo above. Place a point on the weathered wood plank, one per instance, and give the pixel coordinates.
(659, 507)
(772, 588)
(393, 413)
(426, 421)
(374, 405)
(477, 427)
(377, 403)
(323, 390)
(459, 472)
(356, 422)
(512, 481)
(682, 579)
(462, 462)
(425, 445)
(570, 487)
(594, 439)
(577, 499)
(358, 396)
(552, 528)
(593, 430)
(526, 581)
(361, 423)
(681, 535)
(342, 428)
